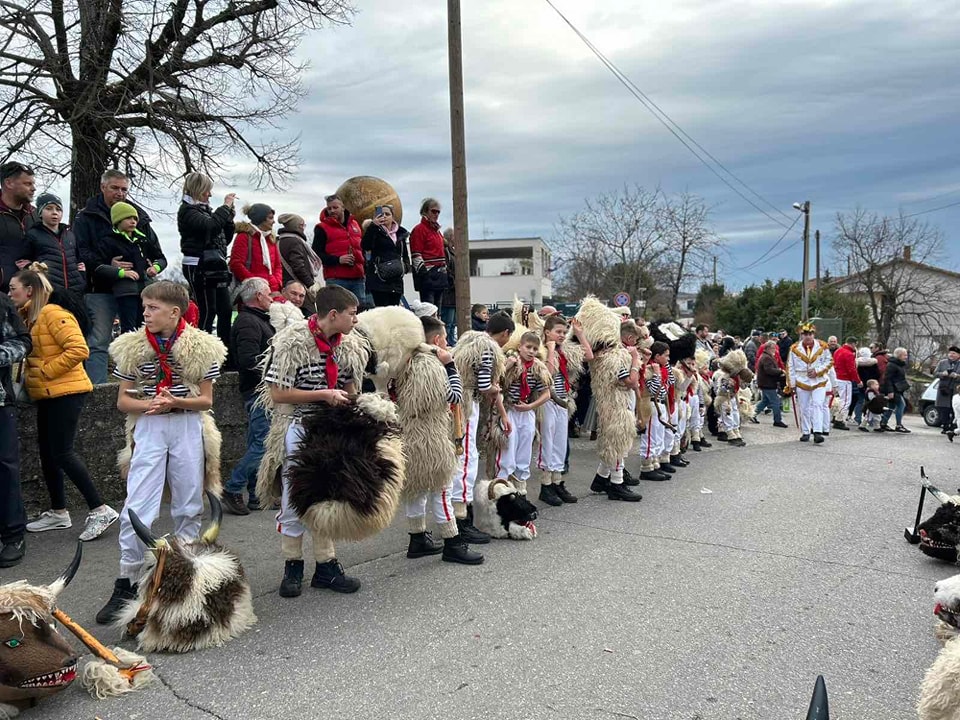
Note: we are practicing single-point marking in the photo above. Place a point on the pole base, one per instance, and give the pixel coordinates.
(911, 535)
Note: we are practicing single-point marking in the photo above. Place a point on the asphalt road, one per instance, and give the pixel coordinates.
(720, 596)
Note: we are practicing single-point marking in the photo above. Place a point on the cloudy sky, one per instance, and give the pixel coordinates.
(843, 103)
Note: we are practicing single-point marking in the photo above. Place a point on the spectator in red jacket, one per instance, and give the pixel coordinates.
(427, 254)
(255, 252)
(337, 241)
(845, 365)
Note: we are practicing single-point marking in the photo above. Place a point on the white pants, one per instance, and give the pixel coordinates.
(812, 409)
(514, 459)
(696, 419)
(669, 436)
(844, 396)
(465, 473)
(614, 474)
(730, 415)
(683, 408)
(651, 442)
(288, 521)
(416, 511)
(553, 438)
(168, 449)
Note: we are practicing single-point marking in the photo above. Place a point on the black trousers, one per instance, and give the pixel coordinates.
(13, 519)
(382, 299)
(432, 296)
(212, 302)
(946, 417)
(57, 420)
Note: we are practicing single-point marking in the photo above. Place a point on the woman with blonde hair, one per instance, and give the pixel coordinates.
(58, 385)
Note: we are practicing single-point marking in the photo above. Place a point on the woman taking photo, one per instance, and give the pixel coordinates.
(385, 243)
(204, 237)
(427, 254)
(58, 385)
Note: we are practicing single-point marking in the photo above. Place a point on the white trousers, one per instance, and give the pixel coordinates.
(696, 419)
(168, 449)
(553, 438)
(651, 442)
(465, 473)
(440, 503)
(683, 409)
(288, 522)
(812, 409)
(844, 396)
(730, 415)
(514, 459)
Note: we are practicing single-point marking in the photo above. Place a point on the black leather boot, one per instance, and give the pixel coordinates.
(455, 550)
(422, 544)
(330, 575)
(123, 590)
(292, 583)
(599, 484)
(561, 490)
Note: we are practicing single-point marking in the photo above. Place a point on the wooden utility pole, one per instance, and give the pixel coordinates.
(817, 236)
(805, 303)
(714, 270)
(461, 228)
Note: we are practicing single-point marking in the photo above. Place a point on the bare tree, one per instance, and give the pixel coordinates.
(155, 87)
(890, 264)
(688, 240)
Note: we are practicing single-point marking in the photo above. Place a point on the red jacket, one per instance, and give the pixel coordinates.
(331, 240)
(247, 242)
(426, 245)
(845, 364)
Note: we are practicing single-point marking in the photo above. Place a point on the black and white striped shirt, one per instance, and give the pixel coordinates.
(312, 376)
(533, 381)
(454, 385)
(485, 372)
(148, 371)
(655, 387)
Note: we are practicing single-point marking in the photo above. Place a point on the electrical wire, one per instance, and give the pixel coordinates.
(654, 110)
(772, 247)
(924, 212)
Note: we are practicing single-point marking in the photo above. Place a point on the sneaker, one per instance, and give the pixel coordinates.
(818, 438)
(805, 438)
(470, 534)
(97, 523)
(780, 424)
(563, 493)
(12, 553)
(253, 504)
(549, 495)
(233, 504)
(599, 484)
(455, 550)
(123, 590)
(422, 545)
(330, 576)
(292, 583)
(49, 520)
(619, 492)
(884, 428)
(901, 429)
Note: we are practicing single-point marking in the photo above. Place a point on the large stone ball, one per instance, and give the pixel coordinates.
(362, 194)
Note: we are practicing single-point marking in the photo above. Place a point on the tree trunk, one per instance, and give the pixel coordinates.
(91, 156)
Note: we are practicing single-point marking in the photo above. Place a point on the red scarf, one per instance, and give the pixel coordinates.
(562, 362)
(524, 385)
(671, 389)
(164, 371)
(326, 347)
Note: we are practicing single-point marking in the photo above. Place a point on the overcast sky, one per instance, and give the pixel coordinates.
(840, 103)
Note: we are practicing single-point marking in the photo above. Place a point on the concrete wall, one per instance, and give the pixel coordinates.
(100, 436)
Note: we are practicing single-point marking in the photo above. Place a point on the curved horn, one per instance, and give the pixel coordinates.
(57, 586)
(216, 517)
(142, 531)
(819, 707)
(939, 494)
(491, 489)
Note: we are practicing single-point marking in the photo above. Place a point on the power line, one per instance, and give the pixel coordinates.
(654, 110)
(772, 247)
(933, 197)
(924, 212)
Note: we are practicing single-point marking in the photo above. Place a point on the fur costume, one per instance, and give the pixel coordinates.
(502, 512)
(940, 688)
(601, 326)
(381, 344)
(525, 320)
(283, 314)
(195, 352)
(425, 419)
(347, 475)
(467, 354)
(201, 600)
(727, 383)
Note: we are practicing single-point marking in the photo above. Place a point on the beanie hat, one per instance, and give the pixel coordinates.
(257, 212)
(290, 221)
(423, 309)
(121, 211)
(48, 198)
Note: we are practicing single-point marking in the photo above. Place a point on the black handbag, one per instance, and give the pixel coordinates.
(214, 268)
(389, 269)
(901, 386)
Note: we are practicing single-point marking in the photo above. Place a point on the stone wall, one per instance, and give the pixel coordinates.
(100, 436)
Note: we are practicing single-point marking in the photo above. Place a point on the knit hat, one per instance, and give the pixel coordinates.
(257, 212)
(290, 221)
(121, 211)
(954, 348)
(48, 198)
(423, 309)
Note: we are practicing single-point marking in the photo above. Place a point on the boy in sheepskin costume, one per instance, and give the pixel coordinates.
(701, 400)
(480, 362)
(653, 414)
(732, 375)
(166, 371)
(425, 392)
(526, 388)
(615, 370)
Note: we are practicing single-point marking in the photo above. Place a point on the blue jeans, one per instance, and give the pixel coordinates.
(899, 405)
(858, 409)
(102, 309)
(358, 287)
(772, 401)
(448, 313)
(244, 475)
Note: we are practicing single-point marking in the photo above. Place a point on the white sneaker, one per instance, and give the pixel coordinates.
(49, 520)
(98, 522)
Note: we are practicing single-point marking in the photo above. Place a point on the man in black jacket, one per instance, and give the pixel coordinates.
(894, 385)
(15, 345)
(16, 217)
(249, 339)
(92, 223)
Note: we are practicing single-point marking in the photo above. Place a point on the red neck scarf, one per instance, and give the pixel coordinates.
(671, 389)
(524, 385)
(562, 363)
(326, 347)
(164, 371)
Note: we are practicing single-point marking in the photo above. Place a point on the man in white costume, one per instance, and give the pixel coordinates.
(808, 366)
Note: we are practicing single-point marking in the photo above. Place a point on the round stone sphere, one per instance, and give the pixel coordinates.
(362, 194)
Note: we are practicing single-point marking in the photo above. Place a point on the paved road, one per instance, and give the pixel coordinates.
(691, 605)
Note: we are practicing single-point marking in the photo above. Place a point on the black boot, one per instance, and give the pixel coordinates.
(330, 575)
(455, 550)
(292, 583)
(695, 445)
(805, 437)
(563, 493)
(678, 461)
(593, 435)
(654, 475)
(619, 492)
(123, 590)
(422, 544)
(628, 479)
(737, 442)
(840, 425)
(233, 504)
(549, 495)
(667, 468)
(818, 438)
(704, 443)
(468, 532)
(721, 437)
(599, 484)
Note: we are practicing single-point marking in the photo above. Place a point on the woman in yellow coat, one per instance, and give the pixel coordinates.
(58, 385)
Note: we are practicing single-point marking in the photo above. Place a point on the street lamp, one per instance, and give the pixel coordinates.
(804, 207)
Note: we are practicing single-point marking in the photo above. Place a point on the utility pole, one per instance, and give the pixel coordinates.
(461, 228)
(804, 207)
(714, 270)
(817, 236)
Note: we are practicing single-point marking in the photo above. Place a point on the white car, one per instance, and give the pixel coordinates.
(928, 404)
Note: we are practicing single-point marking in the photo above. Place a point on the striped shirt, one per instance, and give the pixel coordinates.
(533, 382)
(484, 372)
(454, 385)
(147, 374)
(312, 376)
(560, 386)
(655, 388)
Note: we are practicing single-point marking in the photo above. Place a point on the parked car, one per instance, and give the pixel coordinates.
(928, 404)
